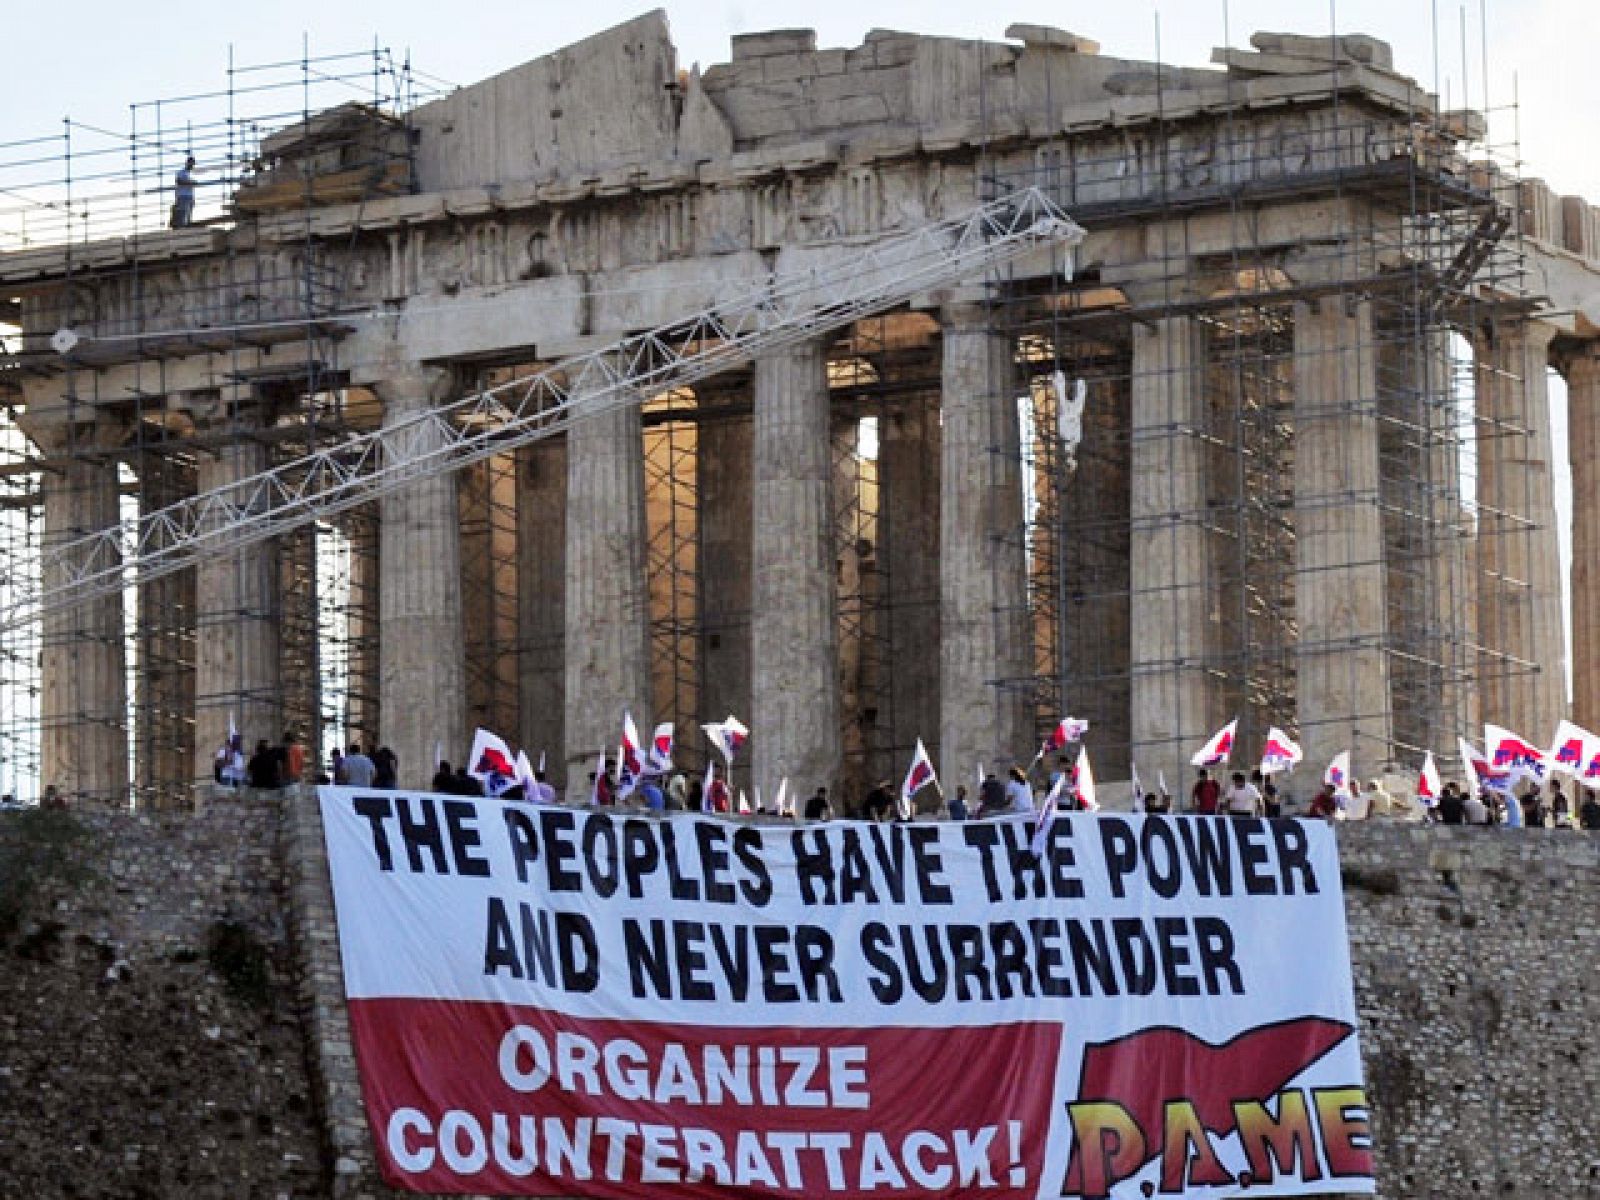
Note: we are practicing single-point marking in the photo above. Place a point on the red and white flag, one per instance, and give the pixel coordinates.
(1574, 749)
(1428, 784)
(918, 776)
(1217, 751)
(1476, 766)
(530, 785)
(493, 764)
(727, 736)
(1281, 753)
(784, 804)
(705, 786)
(599, 777)
(661, 748)
(1337, 775)
(1047, 816)
(630, 759)
(1068, 729)
(1083, 781)
(1513, 756)
(1136, 788)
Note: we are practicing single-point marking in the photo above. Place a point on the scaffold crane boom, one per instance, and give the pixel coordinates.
(785, 309)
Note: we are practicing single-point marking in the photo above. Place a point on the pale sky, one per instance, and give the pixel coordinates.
(91, 59)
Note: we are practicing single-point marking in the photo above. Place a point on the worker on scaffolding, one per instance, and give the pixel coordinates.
(183, 195)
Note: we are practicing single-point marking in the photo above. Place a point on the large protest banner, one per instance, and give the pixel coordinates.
(548, 1001)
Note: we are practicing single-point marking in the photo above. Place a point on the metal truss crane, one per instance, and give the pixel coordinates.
(861, 281)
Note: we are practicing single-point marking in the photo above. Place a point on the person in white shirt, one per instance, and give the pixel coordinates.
(1242, 798)
(1476, 812)
(1018, 792)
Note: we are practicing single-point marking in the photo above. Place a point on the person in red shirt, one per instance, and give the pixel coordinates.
(719, 791)
(1207, 792)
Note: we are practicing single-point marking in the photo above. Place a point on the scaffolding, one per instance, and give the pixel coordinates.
(1426, 241)
(269, 146)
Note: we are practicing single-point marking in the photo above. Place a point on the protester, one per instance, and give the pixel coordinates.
(1452, 806)
(443, 779)
(1475, 810)
(1206, 796)
(1324, 804)
(385, 769)
(1513, 810)
(294, 758)
(1019, 796)
(1533, 809)
(359, 770)
(651, 796)
(1589, 811)
(992, 798)
(879, 805)
(958, 803)
(544, 791)
(1242, 799)
(818, 808)
(1157, 802)
(1271, 802)
(1560, 809)
(719, 800)
(340, 775)
(677, 792)
(263, 770)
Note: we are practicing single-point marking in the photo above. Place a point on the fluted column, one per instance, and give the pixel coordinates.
(794, 634)
(1519, 573)
(541, 600)
(607, 599)
(726, 502)
(421, 656)
(1583, 431)
(237, 615)
(1341, 666)
(985, 663)
(84, 702)
(1169, 560)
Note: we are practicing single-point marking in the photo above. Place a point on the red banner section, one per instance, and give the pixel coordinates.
(490, 1098)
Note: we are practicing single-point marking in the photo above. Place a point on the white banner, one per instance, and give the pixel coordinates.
(554, 1001)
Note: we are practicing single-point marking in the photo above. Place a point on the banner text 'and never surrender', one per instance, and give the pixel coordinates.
(934, 953)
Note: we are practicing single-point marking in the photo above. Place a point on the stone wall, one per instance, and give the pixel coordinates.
(172, 1016)
(150, 1044)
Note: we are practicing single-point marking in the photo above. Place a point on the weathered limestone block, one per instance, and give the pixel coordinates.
(1519, 601)
(1341, 664)
(608, 602)
(1173, 706)
(794, 633)
(422, 662)
(985, 664)
(83, 706)
(1583, 431)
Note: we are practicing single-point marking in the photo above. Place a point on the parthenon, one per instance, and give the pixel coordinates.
(1311, 322)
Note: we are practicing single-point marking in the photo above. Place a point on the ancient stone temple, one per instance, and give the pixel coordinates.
(1311, 483)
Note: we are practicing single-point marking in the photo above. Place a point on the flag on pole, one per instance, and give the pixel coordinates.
(1337, 776)
(1137, 788)
(661, 748)
(630, 766)
(1161, 781)
(530, 785)
(727, 736)
(438, 755)
(705, 787)
(541, 762)
(1083, 780)
(1047, 816)
(744, 805)
(1571, 752)
(1068, 729)
(1513, 756)
(599, 774)
(1475, 765)
(781, 804)
(1280, 753)
(1428, 785)
(492, 763)
(1217, 751)
(918, 776)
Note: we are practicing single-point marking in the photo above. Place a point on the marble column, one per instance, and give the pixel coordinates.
(237, 613)
(726, 501)
(1341, 660)
(1519, 574)
(795, 701)
(1173, 706)
(1583, 434)
(607, 598)
(542, 601)
(421, 655)
(84, 700)
(985, 662)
